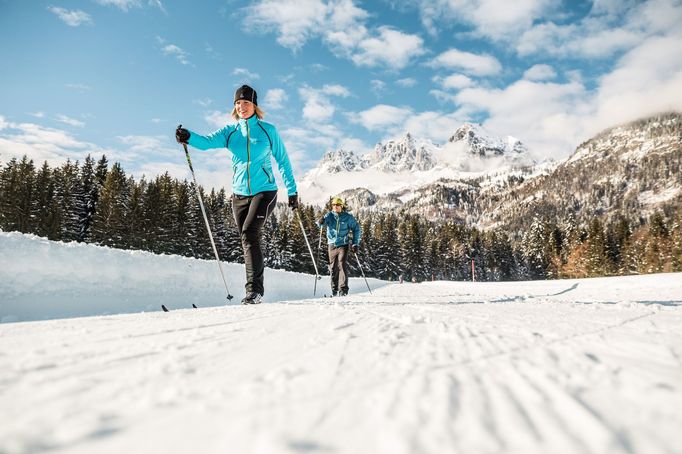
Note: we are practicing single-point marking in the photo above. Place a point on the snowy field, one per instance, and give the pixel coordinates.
(575, 366)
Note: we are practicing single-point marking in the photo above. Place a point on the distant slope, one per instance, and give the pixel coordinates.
(42, 279)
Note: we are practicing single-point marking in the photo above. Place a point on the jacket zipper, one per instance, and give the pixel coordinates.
(338, 220)
(248, 156)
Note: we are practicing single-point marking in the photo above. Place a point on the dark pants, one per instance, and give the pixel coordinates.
(338, 267)
(250, 213)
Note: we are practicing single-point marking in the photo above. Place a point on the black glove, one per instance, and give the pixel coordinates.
(320, 221)
(181, 134)
(354, 248)
(293, 201)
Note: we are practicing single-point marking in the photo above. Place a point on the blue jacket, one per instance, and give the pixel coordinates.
(339, 226)
(251, 143)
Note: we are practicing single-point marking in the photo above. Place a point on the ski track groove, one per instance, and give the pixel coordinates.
(421, 366)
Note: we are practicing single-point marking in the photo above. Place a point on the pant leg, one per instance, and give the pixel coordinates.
(250, 216)
(344, 268)
(334, 267)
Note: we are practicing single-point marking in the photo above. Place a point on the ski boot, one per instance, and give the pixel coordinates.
(252, 298)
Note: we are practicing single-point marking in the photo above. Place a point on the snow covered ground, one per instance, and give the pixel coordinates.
(576, 366)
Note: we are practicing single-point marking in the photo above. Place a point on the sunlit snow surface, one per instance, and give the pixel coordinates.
(575, 366)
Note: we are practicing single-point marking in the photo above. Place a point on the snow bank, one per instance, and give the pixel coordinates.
(41, 279)
(578, 366)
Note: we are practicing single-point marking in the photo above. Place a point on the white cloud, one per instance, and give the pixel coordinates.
(40, 143)
(177, 52)
(553, 118)
(547, 116)
(335, 90)
(275, 98)
(123, 5)
(381, 116)
(69, 121)
(480, 65)
(610, 28)
(203, 102)
(340, 24)
(377, 86)
(442, 96)
(318, 67)
(495, 19)
(406, 82)
(37, 114)
(585, 41)
(454, 81)
(159, 5)
(218, 119)
(390, 48)
(646, 80)
(245, 74)
(142, 142)
(294, 22)
(539, 72)
(318, 107)
(435, 126)
(80, 87)
(212, 52)
(73, 18)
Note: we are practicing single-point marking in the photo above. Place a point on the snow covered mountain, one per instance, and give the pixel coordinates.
(408, 163)
(563, 366)
(629, 170)
(480, 142)
(403, 155)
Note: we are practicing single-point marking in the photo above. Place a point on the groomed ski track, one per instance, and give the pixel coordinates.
(580, 366)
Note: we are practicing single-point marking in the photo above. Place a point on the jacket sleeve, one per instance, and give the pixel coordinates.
(217, 139)
(324, 221)
(356, 232)
(283, 163)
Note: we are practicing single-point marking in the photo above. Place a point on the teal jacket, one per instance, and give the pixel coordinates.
(252, 142)
(339, 226)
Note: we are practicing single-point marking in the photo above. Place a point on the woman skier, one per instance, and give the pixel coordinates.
(252, 143)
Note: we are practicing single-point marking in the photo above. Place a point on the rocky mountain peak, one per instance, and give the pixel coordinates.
(401, 155)
(339, 161)
(479, 142)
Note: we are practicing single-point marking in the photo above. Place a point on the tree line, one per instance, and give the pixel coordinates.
(94, 202)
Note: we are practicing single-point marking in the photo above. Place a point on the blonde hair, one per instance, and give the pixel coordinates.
(259, 112)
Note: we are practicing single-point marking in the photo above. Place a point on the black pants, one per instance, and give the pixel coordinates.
(250, 213)
(338, 267)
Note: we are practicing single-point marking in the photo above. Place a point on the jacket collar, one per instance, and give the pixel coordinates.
(252, 121)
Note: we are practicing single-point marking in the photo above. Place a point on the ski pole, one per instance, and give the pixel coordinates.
(312, 257)
(208, 227)
(362, 271)
(319, 245)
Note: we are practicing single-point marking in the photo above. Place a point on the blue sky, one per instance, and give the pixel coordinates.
(116, 76)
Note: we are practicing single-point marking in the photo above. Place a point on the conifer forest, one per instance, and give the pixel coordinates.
(95, 202)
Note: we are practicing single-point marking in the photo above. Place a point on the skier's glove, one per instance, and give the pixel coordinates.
(181, 134)
(320, 221)
(293, 201)
(354, 248)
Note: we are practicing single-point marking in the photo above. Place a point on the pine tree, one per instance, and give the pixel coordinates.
(135, 215)
(69, 195)
(48, 220)
(17, 187)
(109, 223)
(88, 198)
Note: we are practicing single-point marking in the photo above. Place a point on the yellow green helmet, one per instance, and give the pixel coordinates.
(337, 201)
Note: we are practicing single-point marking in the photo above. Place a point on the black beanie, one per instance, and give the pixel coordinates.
(247, 93)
